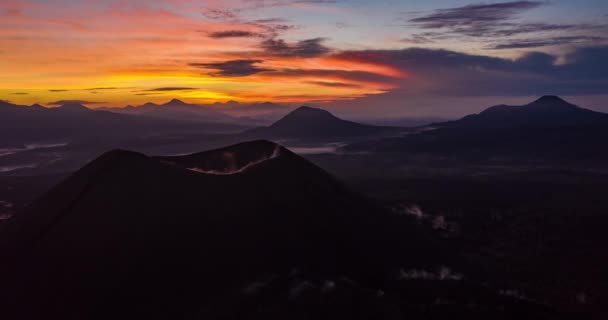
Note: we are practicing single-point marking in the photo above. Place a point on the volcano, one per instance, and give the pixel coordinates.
(545, 112)
(307, 122)
(548, 128)
(139, 236)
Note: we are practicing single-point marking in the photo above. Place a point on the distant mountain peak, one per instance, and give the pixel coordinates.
(307, 121)
(545, 112)
(175, 102)
(149, 104)
(550, 101)
(73, 107)
(306, 110)
(305, 114)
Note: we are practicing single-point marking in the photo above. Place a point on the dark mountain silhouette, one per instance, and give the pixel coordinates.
(36, 124)
(177, 110)
(73, 107)
(228, 112)
(179, 104)
(546, 112)
(175, 102)
(147, 105)
(5, 104)
(132, 235)
(307, 122)
(548, 128)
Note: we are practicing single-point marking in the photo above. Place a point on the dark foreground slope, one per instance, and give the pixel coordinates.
(249, 231)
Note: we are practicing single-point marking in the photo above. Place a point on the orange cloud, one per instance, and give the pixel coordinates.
(138, 45)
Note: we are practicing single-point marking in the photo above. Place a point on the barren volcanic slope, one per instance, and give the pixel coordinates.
(307, 122)
(247, 231)
(157, 234)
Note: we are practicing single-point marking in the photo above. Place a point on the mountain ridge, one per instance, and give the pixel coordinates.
(228, 112)
(547, 128)
(546, 111)
(63, 122)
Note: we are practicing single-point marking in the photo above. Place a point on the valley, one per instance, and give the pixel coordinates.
(508, 222)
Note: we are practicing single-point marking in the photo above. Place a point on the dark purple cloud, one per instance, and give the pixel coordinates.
(544, 42)
(272, 27)
(233, 34)
(220, 14)
(475, 19)
(444, 72)
(271, 21)
(334, 84)
(344, 75)
(164, 89)
(497, 22)
(264, 4)
(232, 68)
(301, 49)
(417, 39)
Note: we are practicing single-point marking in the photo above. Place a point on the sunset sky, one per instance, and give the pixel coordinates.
(394, 53)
